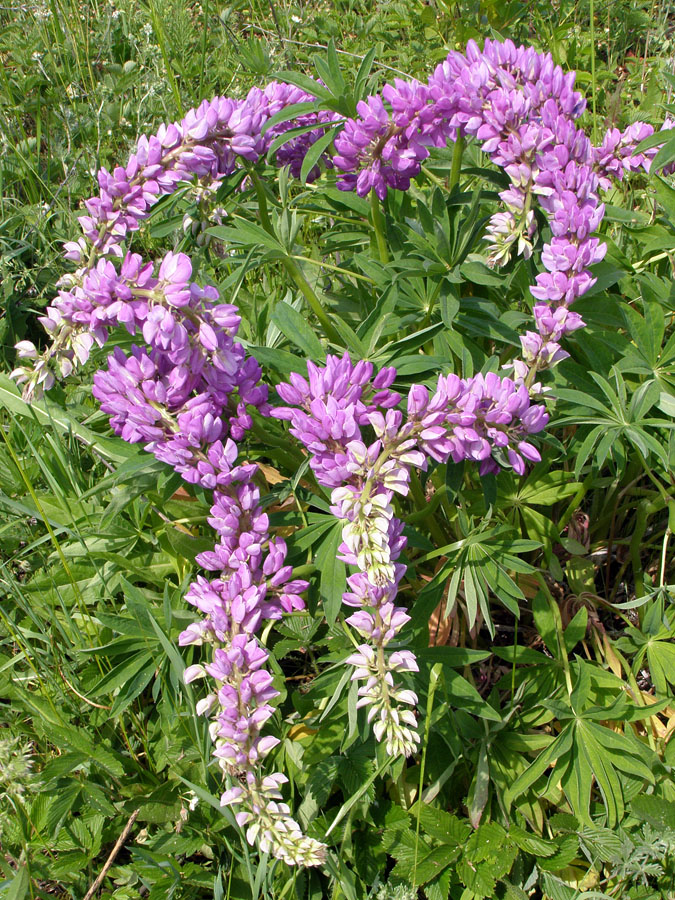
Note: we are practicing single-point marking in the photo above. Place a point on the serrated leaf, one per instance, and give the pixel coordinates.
(64, 800)
(655, 810)
(431, 865)
(441, 825)
(79, 740)
(566, 851)
(479, 878)
(531, 843)
(556, 889)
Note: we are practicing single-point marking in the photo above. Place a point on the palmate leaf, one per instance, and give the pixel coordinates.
(661, 657)
(660, 652)
(487, 856)
(647, 332)
(483, 561)
(655, 644)
(617, 423)
(586, 753)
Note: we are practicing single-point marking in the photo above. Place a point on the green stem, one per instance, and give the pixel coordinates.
(434, 179)
(645, 509)
(457, 153)
(532, 374)
(324, 265)
(434, 677)
(430, 508)
(204, 42)
(555, 611)
(292, 267)
(664, 557)
(315, 304)
(575, 501)
(378, 225)
(594, 88)
(634, 687)
(303, 571)
(657, 484)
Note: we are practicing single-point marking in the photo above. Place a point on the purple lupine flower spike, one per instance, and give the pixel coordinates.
(364, 453)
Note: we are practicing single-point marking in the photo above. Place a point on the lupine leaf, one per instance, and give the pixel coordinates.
(332, 584)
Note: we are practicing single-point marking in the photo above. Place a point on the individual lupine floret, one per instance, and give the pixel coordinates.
(505, 232)
(552, 324)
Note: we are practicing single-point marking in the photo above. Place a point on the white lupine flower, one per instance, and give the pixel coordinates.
(379, 729)
(406, 696)
(192, 673)
(206, 704)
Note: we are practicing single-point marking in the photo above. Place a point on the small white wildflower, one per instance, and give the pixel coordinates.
(15, 767)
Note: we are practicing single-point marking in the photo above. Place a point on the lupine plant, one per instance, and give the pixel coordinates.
(365, 438)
